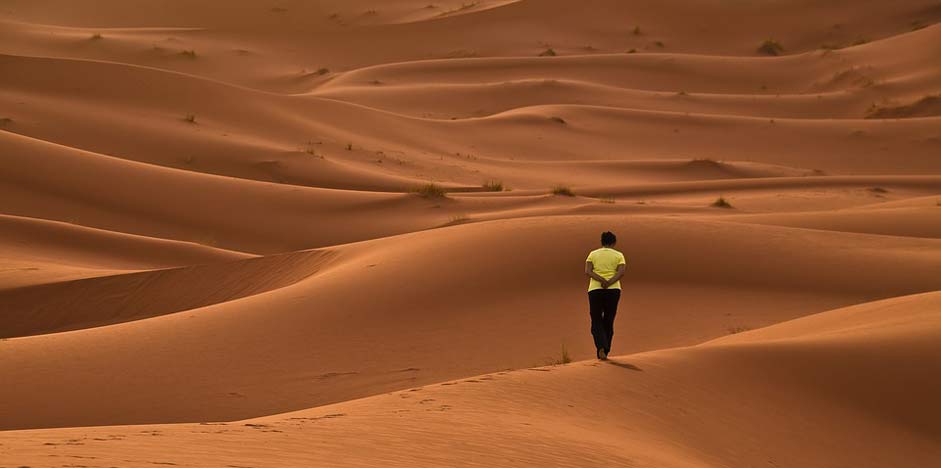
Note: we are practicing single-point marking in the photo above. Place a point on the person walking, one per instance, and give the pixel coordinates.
(604, 267)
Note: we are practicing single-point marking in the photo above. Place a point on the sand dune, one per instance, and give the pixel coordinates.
(320, 340)
(793, 394)
(363, 224)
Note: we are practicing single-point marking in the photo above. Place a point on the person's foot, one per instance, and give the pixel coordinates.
(602, 354)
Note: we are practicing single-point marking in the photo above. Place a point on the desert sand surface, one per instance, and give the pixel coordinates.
(352, 233)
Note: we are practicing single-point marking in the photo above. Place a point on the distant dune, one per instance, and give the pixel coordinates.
(351, 233)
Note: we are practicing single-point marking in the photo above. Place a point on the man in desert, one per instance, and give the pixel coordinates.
(604, 267)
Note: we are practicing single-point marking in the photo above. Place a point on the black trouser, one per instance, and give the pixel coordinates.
(603, 306)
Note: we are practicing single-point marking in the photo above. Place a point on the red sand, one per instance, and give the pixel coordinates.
(206, 215)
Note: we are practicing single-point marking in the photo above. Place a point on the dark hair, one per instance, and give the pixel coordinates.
(608, 238)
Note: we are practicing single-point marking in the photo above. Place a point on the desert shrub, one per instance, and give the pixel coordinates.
(96, 36)
(458, 218)
(564, 358)
(734, 330)
(558, 119)
(493, 186)
(636, 30)
(188, 54)
(548, 53)
(430, 190)
(190, 118)
(323, 71)
(770, 47)
(563, 190)
(721, 202)
(606, 199)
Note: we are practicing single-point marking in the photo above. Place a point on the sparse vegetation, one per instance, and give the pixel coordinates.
(188, 53)
(5, 121)
(558, 119)
(721, 202)
(636, 30)
(323, 71)
(564, 358)
(734, 330)
(877, 190)
(682, 93)
(458, 218)
(190, 118)
(96, 37)
(493, 185)
(548, 53)
(860, 41)
(349, 147)
(563, 190)
(430, 190)
(464, 6)
(659, 44)
(606, 199)
(632, 51)
(770, 47)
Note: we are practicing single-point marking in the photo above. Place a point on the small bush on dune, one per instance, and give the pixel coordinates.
(458, 219)
(770, 47)
(563, 190)
(493, 186)
(323, 71)
(734, 330)
(564, 358)
(606, 199)
(349, 147)
(96, 36)
(548, 53)
(430, 190)
(878, 190)
(659, 44)
(5, 121)
(188, 54)
(636, 30)
(557, 119)
(721, 202)
(190, 118)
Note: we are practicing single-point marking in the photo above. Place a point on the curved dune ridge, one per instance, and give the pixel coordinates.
(351, 233)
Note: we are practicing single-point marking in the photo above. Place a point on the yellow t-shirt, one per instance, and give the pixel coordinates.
(605, 262)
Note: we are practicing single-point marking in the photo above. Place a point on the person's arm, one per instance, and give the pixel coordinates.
(590, 272)
(617, 275)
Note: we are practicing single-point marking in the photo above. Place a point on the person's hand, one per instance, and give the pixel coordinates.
(605, 284)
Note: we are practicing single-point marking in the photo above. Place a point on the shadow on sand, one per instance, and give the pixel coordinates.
(624, 365)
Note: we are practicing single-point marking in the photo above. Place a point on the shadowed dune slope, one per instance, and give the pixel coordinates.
(34, 251)
(814, 392)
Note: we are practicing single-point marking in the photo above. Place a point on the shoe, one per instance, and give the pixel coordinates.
(602, 354)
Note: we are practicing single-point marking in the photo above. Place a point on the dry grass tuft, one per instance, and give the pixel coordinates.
(770, 47)
(721, 202)
(430, 190)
